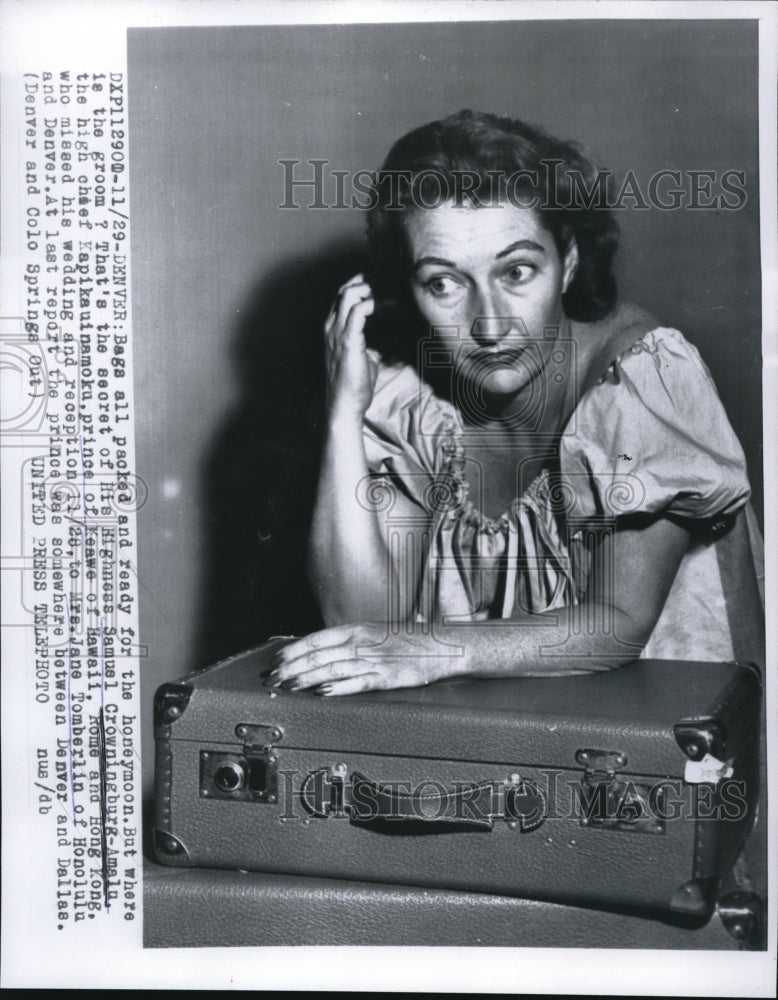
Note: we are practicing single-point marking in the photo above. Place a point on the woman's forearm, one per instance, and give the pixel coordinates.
(364, 655)
(637, 566)
(348, 560)
(575, 639)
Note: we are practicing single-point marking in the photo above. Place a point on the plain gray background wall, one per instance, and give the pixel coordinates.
(226, 286)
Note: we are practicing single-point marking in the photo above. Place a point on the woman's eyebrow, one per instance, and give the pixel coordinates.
(520, 245)
(440, 261)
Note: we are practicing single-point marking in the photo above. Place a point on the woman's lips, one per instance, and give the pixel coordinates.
(506, 357)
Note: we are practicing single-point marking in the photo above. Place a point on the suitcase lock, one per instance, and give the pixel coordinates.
(249, 776)
(608, 802)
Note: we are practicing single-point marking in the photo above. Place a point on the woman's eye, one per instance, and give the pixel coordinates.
(518, 274)
(440, 286)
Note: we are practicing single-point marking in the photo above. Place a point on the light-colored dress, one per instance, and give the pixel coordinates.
(650, 437)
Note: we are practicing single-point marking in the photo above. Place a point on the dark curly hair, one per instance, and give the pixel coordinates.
(485, 159)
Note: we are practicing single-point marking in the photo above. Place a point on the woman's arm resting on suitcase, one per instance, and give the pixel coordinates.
(632, 572)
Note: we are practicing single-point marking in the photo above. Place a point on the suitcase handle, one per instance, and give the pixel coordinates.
(426, 807)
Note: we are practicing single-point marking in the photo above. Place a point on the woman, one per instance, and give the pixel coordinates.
(546, 483)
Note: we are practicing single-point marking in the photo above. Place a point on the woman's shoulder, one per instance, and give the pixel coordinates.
(631, 340)
(633, 366)
(602, 343)
(650, 416)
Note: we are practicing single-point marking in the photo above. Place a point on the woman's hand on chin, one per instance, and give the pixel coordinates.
(364, 656)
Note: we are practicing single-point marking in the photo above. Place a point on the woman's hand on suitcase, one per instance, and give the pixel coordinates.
(348, 659)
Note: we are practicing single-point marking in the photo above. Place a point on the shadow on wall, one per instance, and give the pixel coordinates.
(260, 474)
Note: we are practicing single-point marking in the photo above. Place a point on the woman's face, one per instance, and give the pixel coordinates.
(489, 281)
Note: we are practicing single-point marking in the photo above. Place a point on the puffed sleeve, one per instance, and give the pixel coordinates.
(408, 432)
(652, 437)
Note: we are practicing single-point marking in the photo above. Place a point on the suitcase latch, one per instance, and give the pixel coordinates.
(610, 802)
(248, 776)
(325, 792)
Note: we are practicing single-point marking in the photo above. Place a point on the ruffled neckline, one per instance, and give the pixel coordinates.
(453, 487)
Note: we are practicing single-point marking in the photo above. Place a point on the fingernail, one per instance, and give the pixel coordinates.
(289, 685)
(323, 689)
(277, 659)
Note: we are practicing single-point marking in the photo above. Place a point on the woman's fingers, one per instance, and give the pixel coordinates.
(357, 315)
(346, 659)
(352, 685)
(351, 294)
(324, 638)
(350, 377)
(323, 657)
(358, 279)
(318, 664)
(353, 299)
(314, 652)
(348, 340)
(333, 674)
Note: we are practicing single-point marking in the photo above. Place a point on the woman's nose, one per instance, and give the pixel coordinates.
(488, 329)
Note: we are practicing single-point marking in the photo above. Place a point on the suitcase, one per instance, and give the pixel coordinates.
(631, 789)
(210, 908)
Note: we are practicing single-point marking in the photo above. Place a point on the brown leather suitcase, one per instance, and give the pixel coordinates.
(631, 790)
